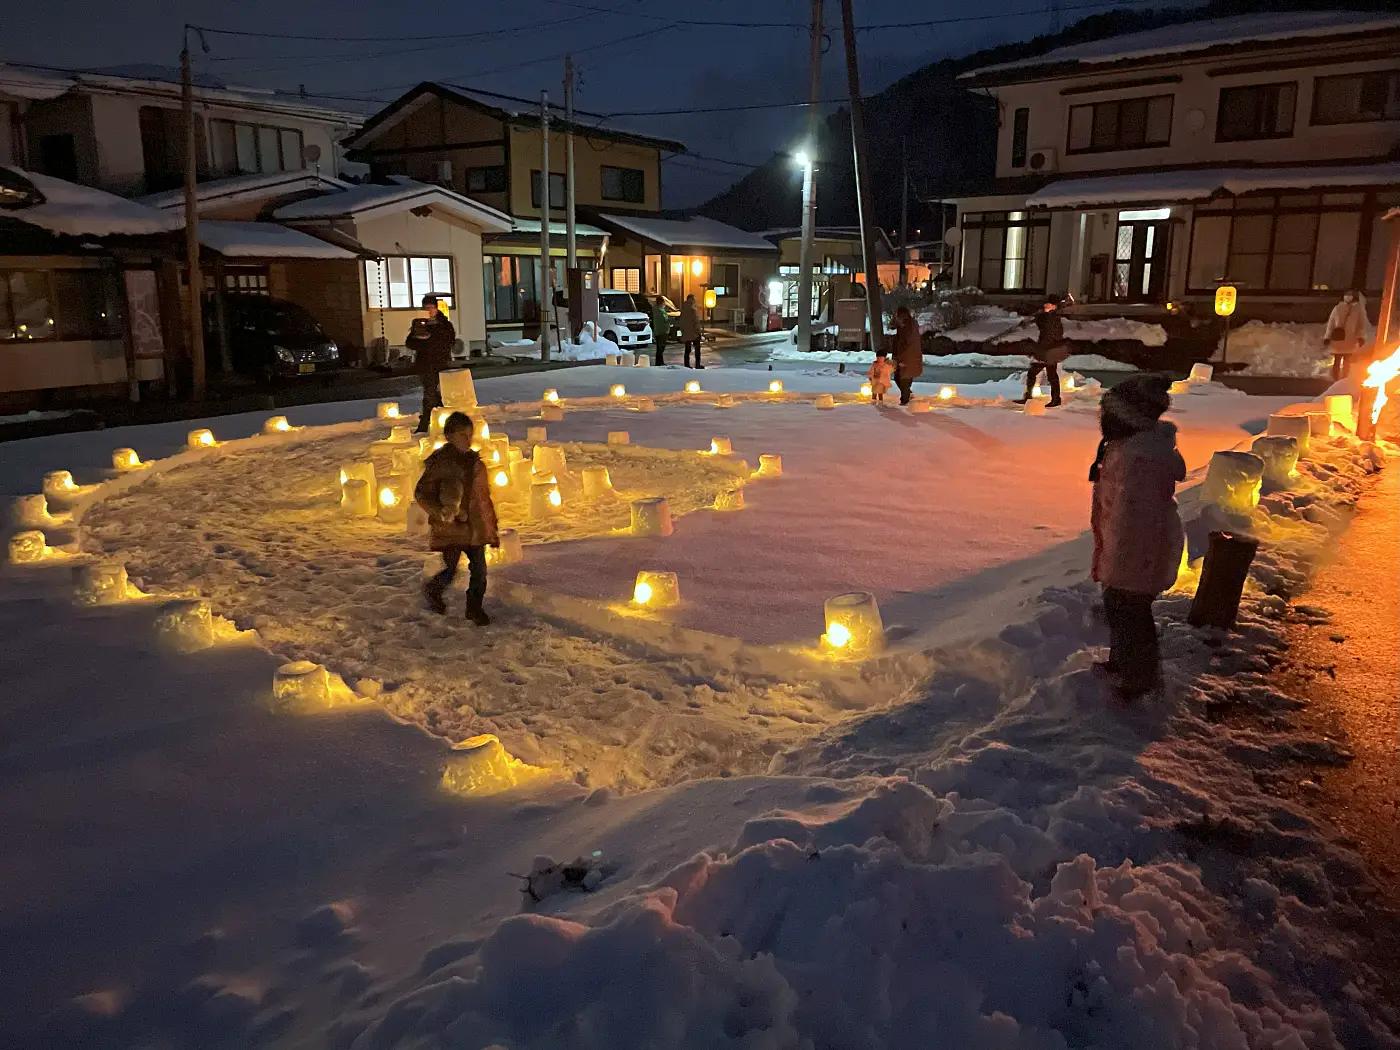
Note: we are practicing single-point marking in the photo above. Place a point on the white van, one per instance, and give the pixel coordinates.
(619, 320)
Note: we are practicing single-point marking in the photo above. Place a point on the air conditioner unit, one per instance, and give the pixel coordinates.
(1042, 160)
(444, 172)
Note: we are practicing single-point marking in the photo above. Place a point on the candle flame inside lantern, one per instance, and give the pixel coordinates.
(866, 390)
(501, 479)
(947, 393)
(387, 497)
(485, 431)
(1069, 382)
(642, 593)
(692, 387)
(775, 387)
(127, 457)
(1035, 390)
(551, 395)
(344, 477)
(838, 635)
(555, 499)
(619, 390)
(391, 412)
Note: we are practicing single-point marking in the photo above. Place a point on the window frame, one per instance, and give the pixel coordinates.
(487, 170)
(628, 274)
(415, 295)
(1256, 137)
(723, 289)
(1118, 104)
(1389, 74)
(57, 332)
(258, 131)
(1033, 223)
(535, 190)
(1020, 136)
(641, 178)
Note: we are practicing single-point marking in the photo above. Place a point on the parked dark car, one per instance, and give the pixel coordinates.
(272, 339)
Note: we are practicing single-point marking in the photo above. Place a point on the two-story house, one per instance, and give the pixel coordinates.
(1145, 169)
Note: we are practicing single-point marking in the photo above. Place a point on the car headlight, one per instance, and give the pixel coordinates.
(283, 354)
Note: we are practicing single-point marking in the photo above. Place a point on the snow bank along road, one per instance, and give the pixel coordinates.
(961, 846)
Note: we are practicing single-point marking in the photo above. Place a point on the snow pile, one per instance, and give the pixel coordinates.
(1001, 326)
(1077, 362)
(1279, 348)
(588, 348)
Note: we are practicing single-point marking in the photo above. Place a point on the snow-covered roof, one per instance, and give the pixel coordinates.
(697, 232)
(265, 240)
(79, 211)
(371, 201)
(246, 187)
(582, 229)
(18, 82)
(1202, 183)
(1273, 26)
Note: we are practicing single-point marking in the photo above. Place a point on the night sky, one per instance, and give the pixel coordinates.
(630, 55)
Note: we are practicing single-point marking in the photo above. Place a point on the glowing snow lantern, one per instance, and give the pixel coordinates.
(1280, 456)
(618, 390)
(552, 396)
(363, 469)
(497, 451)
(32, 512)
(1319, 422)
(301, 684)
(357, 498)
(185, 625)
(729, 499)
(1035, 391)
(551, 413)
(627, 360)
(825, 401)
(58, 485)
(400, 436)
(126, 459)
(721, 446)
(404, 461)
(545, 501)
(510, 552)
(535, 435)
(651, 517)
(201, 438)
(522, 475)
(1201, 373)
(643, 361)
(458, 390)
(549, 459)
(618, 437)
(770, 465)
(1179, 387)
(1342, 410)
(1069, 382)
(481, 430)
(644, 404)
(1034, 407)
(1233, 480)
(515, 454)
(104, 583)
(692, 387)
(920, 406)
(277, 425)
(500, 477)
(610, 360)
(28, 547)
(387, 410)
(853, 624)
(947, 393)
(395, 493)
(866, 390)
(724, 401)
(439, 419)
(775, 386)
(596, 482)
(656, 590)
(1296, 427)
(426, 446)
(479, 766)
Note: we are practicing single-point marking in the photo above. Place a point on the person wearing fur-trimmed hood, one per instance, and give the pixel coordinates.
(1138, 536)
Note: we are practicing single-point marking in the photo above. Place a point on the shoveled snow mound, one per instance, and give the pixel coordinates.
(1001, 326)
(586, 349)
(1280, 348)
(1076, 362)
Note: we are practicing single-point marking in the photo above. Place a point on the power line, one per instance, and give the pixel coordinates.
(690, 21)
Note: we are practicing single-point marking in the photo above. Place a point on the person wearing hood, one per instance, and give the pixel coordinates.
(1346, 332)
(1138, 538)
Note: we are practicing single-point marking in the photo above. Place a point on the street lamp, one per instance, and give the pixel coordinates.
(804, 273)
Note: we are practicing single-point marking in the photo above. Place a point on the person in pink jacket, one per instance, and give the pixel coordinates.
(1138, 537)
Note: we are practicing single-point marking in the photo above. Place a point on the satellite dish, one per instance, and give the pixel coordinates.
(952, 236)
(313, 153)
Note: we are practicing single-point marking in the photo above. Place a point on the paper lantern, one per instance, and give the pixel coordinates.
(551, 413)
(458, 390)
(545, 501)
(1297, 427)
(32, 512)
(775, 386)
(277, 425)
(1280, 456)
(28, 547)
(825, 401)
(1201, 373)
(127, 459)
(535, 435)
(393, 498)
(720, 446)
(947, 393)
(596, 482)
(610, 360)
(644, 361)
(866, 390)
(549, 459)
(357, 498)
(644, 404)
(618, 437)
(58, 485)
(729, 499)
(551, 396)
(363, 469)
(656, 590)
(510, 552)
(387, 410)
(404, 460)
(201, 438)
(724, 401)
(1233, 480)
(618, 390)
(770, 465)
(301, 684)
(185, 625)
(651, 517)
(104, 583)
(481, 766)
(853, 624)
(400, 436)
(627, 360)
(692, 387)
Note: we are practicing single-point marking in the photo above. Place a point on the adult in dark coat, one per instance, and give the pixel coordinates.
(1049, 351)
(908, 353)
(691, 333)
(431, 339)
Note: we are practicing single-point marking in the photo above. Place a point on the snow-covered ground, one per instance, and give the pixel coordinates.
(1076, 362)
(959, 845)
(1279, 348)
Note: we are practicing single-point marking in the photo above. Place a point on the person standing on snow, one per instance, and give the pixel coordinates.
(1049, 351)
(660, 328)
(455, 493)
(431, 339)
(690, 330)
(908, 353)
(1138, 536)
(880, 374)
(1346, 332)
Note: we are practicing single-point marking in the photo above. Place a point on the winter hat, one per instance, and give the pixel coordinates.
(1138, 401)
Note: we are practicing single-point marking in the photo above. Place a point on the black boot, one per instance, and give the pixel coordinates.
(432, 594)
(477, 615)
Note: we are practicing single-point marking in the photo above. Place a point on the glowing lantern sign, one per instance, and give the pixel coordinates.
(387, 410)
(947, 393)
(651, 517)
(618, 390)
(775, 386)
(656, 590)
(545, 501)
(711, 300)
(720, 446)
(1226, 296)
(127, 459)
(853, 626)
(200, 439)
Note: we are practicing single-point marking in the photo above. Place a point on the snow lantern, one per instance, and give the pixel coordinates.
(522, 475)
(866, 390)
(1280, 456)
(480, 766)
(301, 684)
(618, 390)
(509, 552)
(277, 425)
(515, 453)
(362, 469)
(1201, 373)
(551, 413)
(920, 407)
(185, 625)
(500, 477)
(724, 401)
(1069, 382)
(644, 404)
(201, 438)
(692, 386)
(618, 437)
(32, 512)
(1297, 427)
(627, 360)
(439, 419)
(825, 401)
(1034, 407)
(394, 495)
(651, 517)
(775, 386)
(720, 446)
(404, 460)
(387, 410)
(1233, 480)
(853, 624)
(551, 396)
(535, 435)
(729, 499)
(1341, 410)
(1179, 387)
(770, 465)
(497, 451)
(549, 459)
(545, 501)
(947, 393)
(596, 482)
(416, 524)
(400, 436)
(127, 459)
(643, 361)
(656, 590)
(357, 498)
(1036, 391)
(28, 547)
(58, 485)
(458, 390)
(1319, 422)
(104, 583)
(427, 445)
(610, 359)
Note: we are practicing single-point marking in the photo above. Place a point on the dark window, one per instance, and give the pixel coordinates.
(58, 156)
(556, 189)
(1132, 123)
(1015, 248)
(510, 282)
(1020, 132)
(486, 180)
(247, 149)
(59, 304)
(1357, 97)
(724, 279)
(1260, 111)
(624, 184)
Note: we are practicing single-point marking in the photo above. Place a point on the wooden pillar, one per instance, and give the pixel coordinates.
(221, 316)
(172, 323)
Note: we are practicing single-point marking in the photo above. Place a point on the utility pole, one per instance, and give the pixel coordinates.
(546, 298)
(195, 317)
(865, 201)
(809, 186)
(572, 241)
(904, 216)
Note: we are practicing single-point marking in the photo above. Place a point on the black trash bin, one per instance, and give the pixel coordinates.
(1227, 562)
